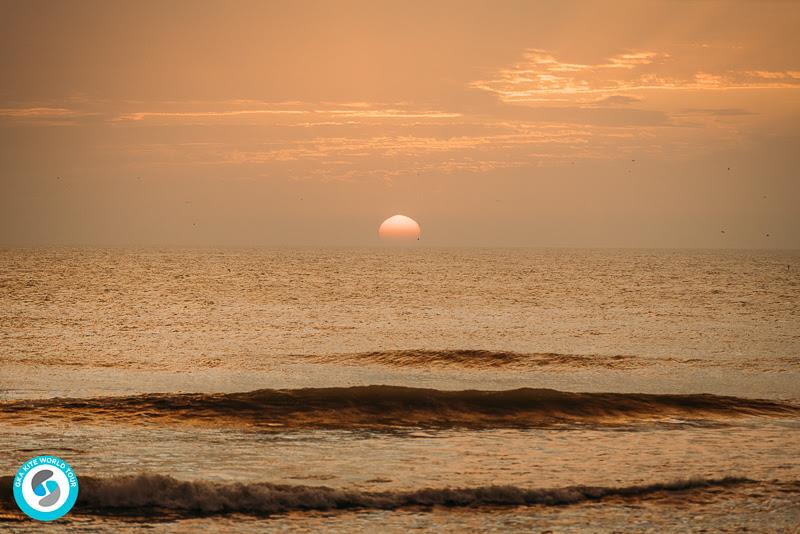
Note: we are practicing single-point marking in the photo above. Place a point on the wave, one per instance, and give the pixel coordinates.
(153, 495)
(395, 407)
(471, 358)
(530, 361)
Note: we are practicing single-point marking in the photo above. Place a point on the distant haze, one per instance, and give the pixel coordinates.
(610, 124)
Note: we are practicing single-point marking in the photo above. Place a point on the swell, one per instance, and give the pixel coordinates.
(394, 406)
(551, 361)
(478, 359)
(153, 495)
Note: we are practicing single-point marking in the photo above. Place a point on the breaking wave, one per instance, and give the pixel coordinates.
(395, 407)
(153, 495)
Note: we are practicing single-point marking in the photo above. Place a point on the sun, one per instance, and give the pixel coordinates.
(399, 229)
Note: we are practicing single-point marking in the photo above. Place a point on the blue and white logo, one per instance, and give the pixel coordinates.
(45, 488)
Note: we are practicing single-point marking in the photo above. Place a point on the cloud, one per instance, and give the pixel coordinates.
(310, 112)
(718, 112)
(541, 77)
(45, 115)
(585, 115)
(630, 61)
(793, 75)
(391, 114)
(616, 100)
(371, 153)
(191, 115)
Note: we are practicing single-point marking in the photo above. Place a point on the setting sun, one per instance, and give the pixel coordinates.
(399, 229)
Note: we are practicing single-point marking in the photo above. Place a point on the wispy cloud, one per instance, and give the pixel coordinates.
(390, 114)
(179, 115)
(616, 100)
(548, 112)
(542, 77)
(367, 156)
(717, 112)
(311, 112)
(42, 115)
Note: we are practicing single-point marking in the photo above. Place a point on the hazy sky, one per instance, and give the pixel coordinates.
(491, 123)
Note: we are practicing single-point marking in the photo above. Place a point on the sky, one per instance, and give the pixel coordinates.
(575, 124)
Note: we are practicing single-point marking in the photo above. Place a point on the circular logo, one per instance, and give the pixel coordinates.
(45, 488)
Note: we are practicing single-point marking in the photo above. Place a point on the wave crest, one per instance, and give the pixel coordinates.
(395, 406)
(153, 495)
(478, 359)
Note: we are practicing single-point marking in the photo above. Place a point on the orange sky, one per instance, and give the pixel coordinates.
(491, 123)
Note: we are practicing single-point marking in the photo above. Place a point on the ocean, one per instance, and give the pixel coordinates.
(391, 389)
